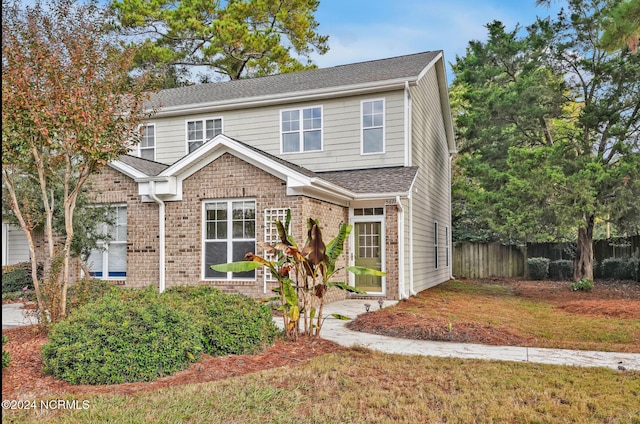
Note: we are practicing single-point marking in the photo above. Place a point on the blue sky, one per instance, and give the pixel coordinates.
(361, 30)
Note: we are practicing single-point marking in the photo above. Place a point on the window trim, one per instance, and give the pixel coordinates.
(301, 130)
(435, 244)
(155, 141)
(229, 238)
(204, 129)
(384, 126)
(447, 246)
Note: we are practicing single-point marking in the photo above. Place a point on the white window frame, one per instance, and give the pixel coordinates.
(155, 137)
(435, 244)
(204, 130)
(229, 239)
(446, 244)
(301, 130)
(105, 252)
(382, 127)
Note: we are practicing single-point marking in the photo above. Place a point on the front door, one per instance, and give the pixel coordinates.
(368, 253)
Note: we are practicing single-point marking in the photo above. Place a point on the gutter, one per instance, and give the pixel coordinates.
(401, 293)
(161, 233)
(412, 292)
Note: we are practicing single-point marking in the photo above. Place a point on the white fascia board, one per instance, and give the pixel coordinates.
(280, 98)
(127, 170)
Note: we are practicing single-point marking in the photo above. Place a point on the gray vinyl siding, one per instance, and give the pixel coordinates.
(17, 246)
(431, 195)
(260, 127)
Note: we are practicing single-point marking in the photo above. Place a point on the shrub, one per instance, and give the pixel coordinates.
(6, 357)
(231, 324)
(538, 268)
(621, 268)
(85, 291)
(582, 285)
(16, 277)
(561, 269)
(124, 336)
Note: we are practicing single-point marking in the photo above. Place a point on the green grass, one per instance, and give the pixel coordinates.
(361, 386)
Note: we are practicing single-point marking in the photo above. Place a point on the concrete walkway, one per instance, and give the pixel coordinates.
(14, 316)
(335, 330)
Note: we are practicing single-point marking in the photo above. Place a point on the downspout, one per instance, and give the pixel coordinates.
(412, 292)
(161, 234)
(401, 293)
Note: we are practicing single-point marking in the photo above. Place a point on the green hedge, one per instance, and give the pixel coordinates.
(621, 268)
(231, 324)
(85, 291)
(125, 336)
(561, 269)
(18, 276)
(538, 268)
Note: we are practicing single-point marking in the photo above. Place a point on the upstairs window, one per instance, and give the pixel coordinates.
(148, 142)
(372, 127)
(200, 131)
(301, 130)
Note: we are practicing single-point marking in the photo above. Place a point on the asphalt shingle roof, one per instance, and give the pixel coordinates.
(400, 67)
(395, 179)
(148, 167)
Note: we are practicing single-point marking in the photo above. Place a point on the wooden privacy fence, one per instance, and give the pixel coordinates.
(485, 260)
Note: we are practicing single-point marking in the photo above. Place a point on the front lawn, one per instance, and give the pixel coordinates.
(361, 386)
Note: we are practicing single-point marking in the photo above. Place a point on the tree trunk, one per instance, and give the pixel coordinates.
(584, 254)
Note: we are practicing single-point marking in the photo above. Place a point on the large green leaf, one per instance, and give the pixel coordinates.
(242, 266)
(346, 287)
(341, 317)
(336, 246)
(290, 295)
(360, 270)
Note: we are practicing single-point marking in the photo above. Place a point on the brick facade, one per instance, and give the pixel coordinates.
(226, 178)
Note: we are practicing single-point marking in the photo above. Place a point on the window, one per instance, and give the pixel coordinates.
(435, 244)
(148, 142)
(229, 233)
(368, 211)
(446, 243)
(305, 136)
(373, 127)
(202, 130)
(110, 259)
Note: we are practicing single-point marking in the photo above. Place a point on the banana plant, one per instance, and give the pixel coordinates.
(303, 275)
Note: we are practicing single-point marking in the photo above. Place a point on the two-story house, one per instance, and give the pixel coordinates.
(367, 144)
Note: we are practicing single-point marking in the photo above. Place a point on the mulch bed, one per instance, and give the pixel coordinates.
(24, 379)
(608, 299)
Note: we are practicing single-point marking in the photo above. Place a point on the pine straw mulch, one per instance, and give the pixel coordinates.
(608, 299)
(25, 380)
